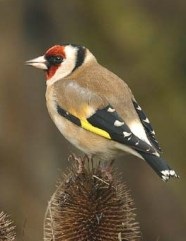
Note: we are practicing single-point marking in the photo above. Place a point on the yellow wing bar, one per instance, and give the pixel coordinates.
(87, 126)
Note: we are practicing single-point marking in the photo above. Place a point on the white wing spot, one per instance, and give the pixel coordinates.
(126, 134)
(137, 143)
(153, 132)
(138, 108)
(118, 123)
(146, 120)
(111, 109)
(128, 139)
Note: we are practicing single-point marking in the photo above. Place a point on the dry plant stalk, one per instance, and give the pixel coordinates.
(90, 204)
(7, 230)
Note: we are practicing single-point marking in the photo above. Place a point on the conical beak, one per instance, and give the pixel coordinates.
(39, 62)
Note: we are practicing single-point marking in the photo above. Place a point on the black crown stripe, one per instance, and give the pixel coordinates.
(80, 57)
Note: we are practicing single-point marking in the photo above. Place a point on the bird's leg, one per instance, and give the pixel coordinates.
(89, 160)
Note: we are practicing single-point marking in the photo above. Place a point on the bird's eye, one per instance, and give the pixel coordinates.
(54, 60)
(58, 59)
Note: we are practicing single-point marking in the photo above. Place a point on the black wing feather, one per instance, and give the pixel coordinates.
(147, 126)
(104, 119)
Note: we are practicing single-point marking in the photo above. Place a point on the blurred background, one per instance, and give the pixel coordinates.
(144, 42)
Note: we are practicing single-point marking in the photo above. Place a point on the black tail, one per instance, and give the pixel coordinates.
(159, 165)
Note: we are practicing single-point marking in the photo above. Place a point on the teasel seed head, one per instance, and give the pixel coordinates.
(91, 203)
(7, 230)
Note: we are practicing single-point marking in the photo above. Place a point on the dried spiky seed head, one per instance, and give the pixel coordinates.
(7, 230)
(90, 204)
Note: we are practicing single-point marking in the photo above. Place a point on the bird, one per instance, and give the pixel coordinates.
(95, 110)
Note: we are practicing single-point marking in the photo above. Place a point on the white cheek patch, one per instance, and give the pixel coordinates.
(66, 66)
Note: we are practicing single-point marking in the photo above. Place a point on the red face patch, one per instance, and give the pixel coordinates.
(55, 51)
(51, 71)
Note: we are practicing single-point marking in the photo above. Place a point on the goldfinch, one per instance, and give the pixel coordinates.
(95, 110)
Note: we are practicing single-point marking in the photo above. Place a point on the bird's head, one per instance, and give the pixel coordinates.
(60, 61)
